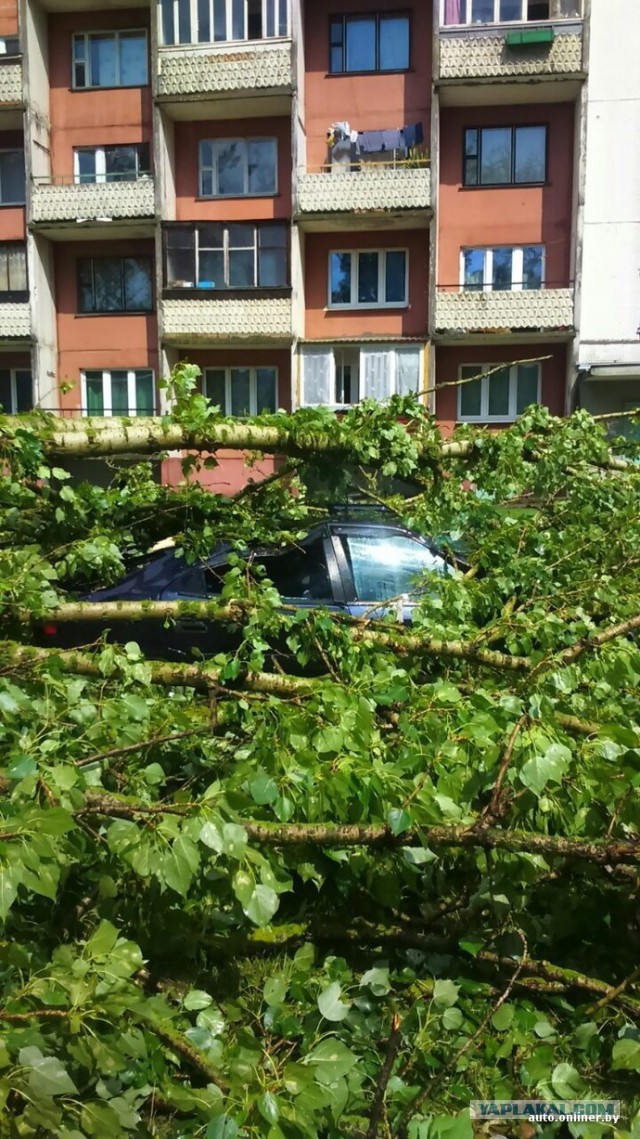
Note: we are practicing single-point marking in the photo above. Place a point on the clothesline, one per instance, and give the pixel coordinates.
(375, 141)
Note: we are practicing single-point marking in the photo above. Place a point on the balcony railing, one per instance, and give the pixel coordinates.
(15, 320)
(372, 188)
(11, 83)
(194, 70)
(240, 318)
(64, 200)
(485, 52)
(525, 310)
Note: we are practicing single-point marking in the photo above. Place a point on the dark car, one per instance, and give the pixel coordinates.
(358, 568)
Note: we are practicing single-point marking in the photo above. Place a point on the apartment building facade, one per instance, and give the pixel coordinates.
(313, 200)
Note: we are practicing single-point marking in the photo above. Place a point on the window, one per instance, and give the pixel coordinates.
(337, 377)
(9, 47)
(505, 156)
(368, 43)
(237, 167)
(110, 59)
(215, 21)
(497, 394)
(13, 269)
(503, 268)
(242, 391)
(115, 284)
(12, 179)
(368, 279)
(388, 566)
(111, 163)
(300, 572)
(507, 11)
(118, 392)
(16, 390)
(234, 256)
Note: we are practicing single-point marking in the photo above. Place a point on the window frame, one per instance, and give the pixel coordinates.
(15, 296)
(194, 24)
(513, 127)
(378, 16)
(193, 229)
(253, 370)
(354, 280)
(99, 153)
(13, 384)
(13, 150)
(219, 142)
(132, 374)
(523, 19)
(391, 348)
(517, 260)
(114, 311)
(10, 56)
(484, 372)
(117, 33)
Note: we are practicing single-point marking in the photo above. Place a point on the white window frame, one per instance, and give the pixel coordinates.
(354, 254)
(217, 144)
(6, 248)
(226, 249)
(22, 200)
(253, 384)
(116, 33)
(99, 153)
(132, 373)
(467, 9)
(483, 372)
(517, 267)
(13, 382)
(331, 351)
(194, 24)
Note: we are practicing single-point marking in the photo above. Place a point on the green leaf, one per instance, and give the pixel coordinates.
(9, 878)
(262, 905)
(224, 1127)
(503, 1017)
(377, 980)
(48, 1076)
(268, 1107)
(452, 1019)
(263, 789)
(567, 1082)
(398, 820)
(445, 993)
(331, 1060)
(102, 941)
(197, 999)
(626, 1055)
(547, 768)
(234, 840)
(330, 1004)
(275, 991)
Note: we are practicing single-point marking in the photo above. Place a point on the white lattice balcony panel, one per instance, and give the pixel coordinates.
(528, 310)
(486, 55)
(93, 201)
(15, 320)
(10, 84)
(193, 71)
(241, 318)
(372, 189)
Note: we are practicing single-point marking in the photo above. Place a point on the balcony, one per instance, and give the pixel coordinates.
(490, 54)
(93, 209)
(15, 320)
(192, 321)
(218, 80)
(10, 84)
(373, 193)
(548, 311)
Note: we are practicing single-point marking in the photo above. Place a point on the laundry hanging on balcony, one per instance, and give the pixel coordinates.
(347, 146)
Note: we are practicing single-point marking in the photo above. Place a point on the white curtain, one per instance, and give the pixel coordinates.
(318, 377)
(407, 370)
(375, 369)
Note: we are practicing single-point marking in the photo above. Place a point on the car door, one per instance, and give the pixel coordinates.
(386, 570)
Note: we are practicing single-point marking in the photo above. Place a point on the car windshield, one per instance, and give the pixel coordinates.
(389, 565)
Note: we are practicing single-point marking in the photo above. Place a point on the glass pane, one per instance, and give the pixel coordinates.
(395, 277)
(17, 260)
(86, 165)
(272, 268)
(510, 10)
(133, 59)
(473, 268)
(184, 21)
(4, 271)
(102, 55)
(145, 402)
(211, 269)
(240, 391)
(361, 43)
(470, 393)
(495, 167)
(283, 17)
(231, 167)
(24, 390)
(502, 261)
(389, 567)
(6, 402)
(241, 269)
(266, 397)
(95, 393)
(12, 179)
(367, 278)
(137, 284)
(394, 43)
(204, 21)
(168, 30)
(255, 30)
(481, 11)
(408, 370)
(85, 285)
(237, 20)
(215, 387)
(211, 236)
(471, 171)
(121, 163)
(107, 277)
(261, 163)
(273, 236)
(120, 394)
(181, 270)
(340, 278)
(336, 65)
(531, 154)
(499, 393)
(241, 236)
(532, 267)
(219, 20)
(527, 387)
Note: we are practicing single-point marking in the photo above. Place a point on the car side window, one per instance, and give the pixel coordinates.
(388, 566)
(188, 583)
(300, 572)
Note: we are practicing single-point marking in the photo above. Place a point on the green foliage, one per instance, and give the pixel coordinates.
(176, 962)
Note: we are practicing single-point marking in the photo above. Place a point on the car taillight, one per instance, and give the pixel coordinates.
(50, 630)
